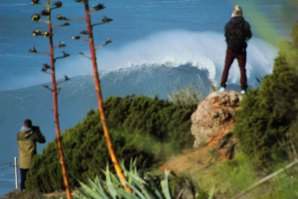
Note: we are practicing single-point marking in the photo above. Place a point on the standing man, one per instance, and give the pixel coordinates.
(237, 32)
(27, 138)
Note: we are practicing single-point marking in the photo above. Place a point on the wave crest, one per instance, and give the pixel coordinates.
(205, 50)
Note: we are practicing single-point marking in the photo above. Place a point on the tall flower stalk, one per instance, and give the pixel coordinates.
(49, 34)
(89, 32)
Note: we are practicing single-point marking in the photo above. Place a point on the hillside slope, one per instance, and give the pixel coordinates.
(212, 123)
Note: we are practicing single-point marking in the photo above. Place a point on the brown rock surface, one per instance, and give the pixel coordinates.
(214, 117)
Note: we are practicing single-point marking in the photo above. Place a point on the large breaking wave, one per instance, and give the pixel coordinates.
(205, 50)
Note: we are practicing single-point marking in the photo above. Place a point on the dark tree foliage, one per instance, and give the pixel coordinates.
(157, 118)
(267, 113)
(132, 120)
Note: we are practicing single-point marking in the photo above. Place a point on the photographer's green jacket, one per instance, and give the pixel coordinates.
(27, 146)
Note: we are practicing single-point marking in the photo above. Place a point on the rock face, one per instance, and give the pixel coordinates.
(214, 117)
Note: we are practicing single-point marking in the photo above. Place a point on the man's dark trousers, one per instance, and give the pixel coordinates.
(241, 58)
(23, 177)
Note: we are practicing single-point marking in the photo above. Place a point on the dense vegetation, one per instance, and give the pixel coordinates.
(143, 128)
(266, 125)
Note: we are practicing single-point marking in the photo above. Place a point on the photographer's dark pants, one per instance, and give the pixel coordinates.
(241, 58)
(23, 177)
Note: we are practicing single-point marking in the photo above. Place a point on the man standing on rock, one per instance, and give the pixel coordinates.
(27, 138)
(237, 32)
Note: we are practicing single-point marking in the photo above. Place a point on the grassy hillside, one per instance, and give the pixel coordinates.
(143, 128)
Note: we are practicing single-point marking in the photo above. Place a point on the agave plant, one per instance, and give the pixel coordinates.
(148, 187)
(167, 186)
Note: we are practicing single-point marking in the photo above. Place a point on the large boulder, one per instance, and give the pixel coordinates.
(214, 117)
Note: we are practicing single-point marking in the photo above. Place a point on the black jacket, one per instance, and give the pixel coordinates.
(237, 32)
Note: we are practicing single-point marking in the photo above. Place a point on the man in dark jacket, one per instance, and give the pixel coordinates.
(237, 32)
(27, 138)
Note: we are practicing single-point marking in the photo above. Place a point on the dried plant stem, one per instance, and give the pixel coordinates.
(55, 106)
(107, 136)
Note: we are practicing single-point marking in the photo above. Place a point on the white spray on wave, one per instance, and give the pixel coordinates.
(205, 50)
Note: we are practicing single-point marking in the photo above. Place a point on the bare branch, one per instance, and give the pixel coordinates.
(62, 18)
(107, 42)
(79, 38)
(61, 25)
(47, 87)
(103, 21)
(64, 55)
(84, 32)
(84, 55)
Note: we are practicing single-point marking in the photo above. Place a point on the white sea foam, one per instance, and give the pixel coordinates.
(205, 50)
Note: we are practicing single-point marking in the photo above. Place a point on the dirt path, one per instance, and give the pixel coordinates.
(202, 157)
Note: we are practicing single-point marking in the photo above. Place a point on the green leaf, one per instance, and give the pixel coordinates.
(165, 185)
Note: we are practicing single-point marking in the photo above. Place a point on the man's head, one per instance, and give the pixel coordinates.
(28, 123)
(237, 11)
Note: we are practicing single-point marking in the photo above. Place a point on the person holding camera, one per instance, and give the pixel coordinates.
(26, 139)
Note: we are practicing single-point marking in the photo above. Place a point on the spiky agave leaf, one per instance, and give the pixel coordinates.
(142, 185)
(165, 185)
(93, 190)
(110, 184)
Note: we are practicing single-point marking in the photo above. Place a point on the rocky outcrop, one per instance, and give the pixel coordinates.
(212, 123)
(214, 118)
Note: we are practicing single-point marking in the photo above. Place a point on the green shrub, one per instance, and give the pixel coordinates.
(267, 113)
(283, 186)
(143, 128)
(187, 97)
(238, 175)
(293, 143)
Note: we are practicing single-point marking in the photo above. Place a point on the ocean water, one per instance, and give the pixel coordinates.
(144, 33)
(134, 21)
